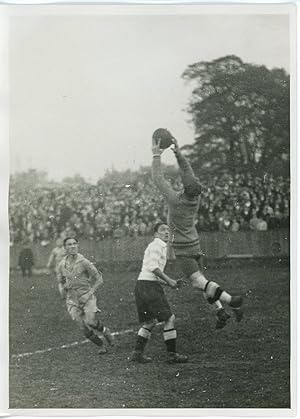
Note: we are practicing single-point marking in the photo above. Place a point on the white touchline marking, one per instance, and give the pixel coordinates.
(66, 346)
(69, 345)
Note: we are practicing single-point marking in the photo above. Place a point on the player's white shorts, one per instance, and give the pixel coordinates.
(76, 310)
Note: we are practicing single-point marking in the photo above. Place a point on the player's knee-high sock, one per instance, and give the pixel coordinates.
(199, 281)
(225, 297)
(217, 305)
(105, 331)
(99, 326)
(143, 336)
(93, 337)
(214, 292)
(170, 336)
(211, 289)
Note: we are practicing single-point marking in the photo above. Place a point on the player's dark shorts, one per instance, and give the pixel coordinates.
(188, 264)
(151, 302)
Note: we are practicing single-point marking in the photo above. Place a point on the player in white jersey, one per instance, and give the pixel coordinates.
(75, 276)
(151, 302)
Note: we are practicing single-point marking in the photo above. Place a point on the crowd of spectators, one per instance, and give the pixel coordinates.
(110, 209)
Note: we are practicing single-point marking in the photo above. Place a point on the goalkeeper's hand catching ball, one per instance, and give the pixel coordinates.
(164, 136)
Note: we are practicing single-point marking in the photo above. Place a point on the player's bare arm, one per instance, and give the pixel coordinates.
(166, 280)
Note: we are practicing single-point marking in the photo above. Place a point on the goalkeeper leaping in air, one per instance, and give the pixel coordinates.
(182, 213)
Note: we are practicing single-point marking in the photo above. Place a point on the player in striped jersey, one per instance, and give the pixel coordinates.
(182, 213)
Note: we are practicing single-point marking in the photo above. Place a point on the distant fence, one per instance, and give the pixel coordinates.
(215, 245)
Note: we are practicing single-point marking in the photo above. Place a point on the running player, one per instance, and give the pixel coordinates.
(75, 275)
(151, 302)
(182, 213)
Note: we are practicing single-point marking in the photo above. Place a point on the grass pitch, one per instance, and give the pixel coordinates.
(245, 365)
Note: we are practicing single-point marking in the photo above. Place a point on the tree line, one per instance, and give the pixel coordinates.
(241, 116)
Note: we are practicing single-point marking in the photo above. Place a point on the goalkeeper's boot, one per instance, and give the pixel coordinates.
(139, 357)
(102, 350)
(175, 358)
(237, 309)
(108, 336)
(222, 318)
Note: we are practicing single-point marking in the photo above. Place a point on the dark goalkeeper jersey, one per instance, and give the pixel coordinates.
(182, 212)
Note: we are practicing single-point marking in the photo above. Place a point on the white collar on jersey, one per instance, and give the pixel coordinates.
(160, 241)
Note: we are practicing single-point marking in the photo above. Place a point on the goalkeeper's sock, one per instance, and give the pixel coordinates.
(142, 338)
(170, 337)
(214, 293)
(215, 305)
(225, 297)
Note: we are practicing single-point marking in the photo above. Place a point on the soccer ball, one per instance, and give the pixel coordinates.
(166, 138)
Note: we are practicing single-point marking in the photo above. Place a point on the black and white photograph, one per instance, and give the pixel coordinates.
(151, 164)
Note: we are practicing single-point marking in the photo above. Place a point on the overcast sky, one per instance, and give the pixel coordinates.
(88, 91)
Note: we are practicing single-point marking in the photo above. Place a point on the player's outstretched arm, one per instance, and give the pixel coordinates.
(157, 174)
(183, 163)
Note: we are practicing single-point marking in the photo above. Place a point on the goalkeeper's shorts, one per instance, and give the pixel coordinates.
(188, 264)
